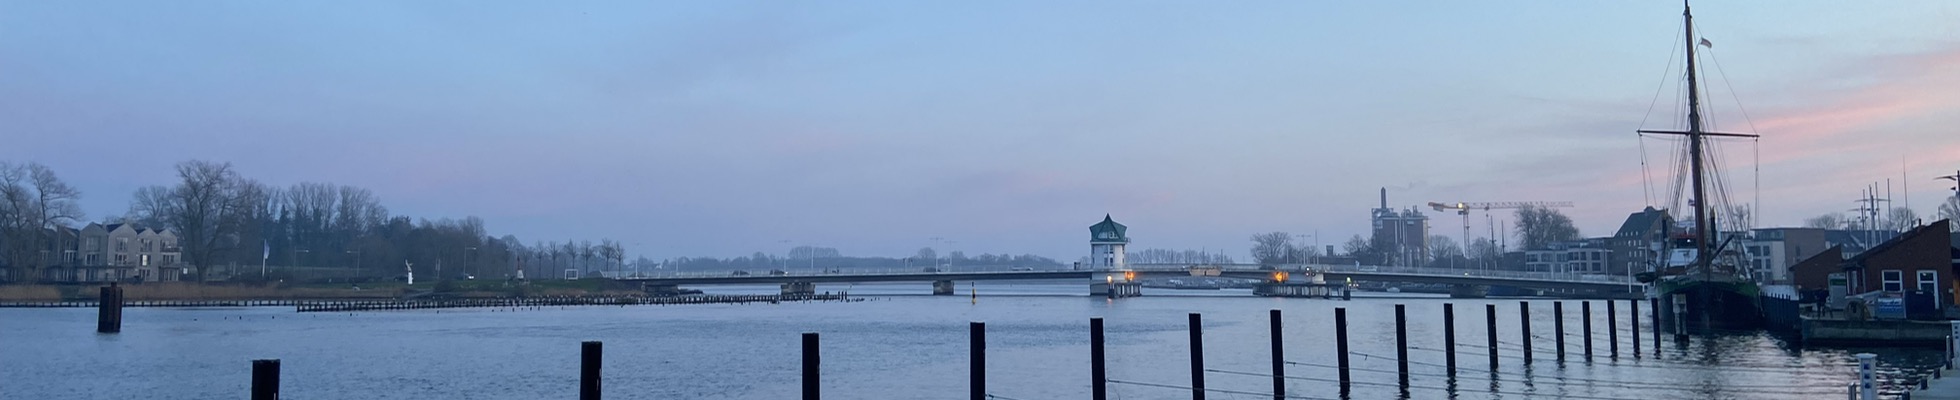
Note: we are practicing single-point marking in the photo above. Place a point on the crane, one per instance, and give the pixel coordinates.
(1463, 209)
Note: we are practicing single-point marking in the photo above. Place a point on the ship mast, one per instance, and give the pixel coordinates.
(1703, 229)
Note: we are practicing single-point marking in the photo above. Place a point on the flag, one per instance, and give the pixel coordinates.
(268, 250)
(1706, 43)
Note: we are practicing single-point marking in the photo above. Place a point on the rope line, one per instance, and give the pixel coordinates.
(1559, 395)
(1600, 382)
(1670, 366)
(1160, 385)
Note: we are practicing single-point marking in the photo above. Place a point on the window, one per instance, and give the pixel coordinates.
(122, 244)
(169, 259)
(1929, 281)
(1893, 280)
(146, 246)
(122, 259)
(146, 260)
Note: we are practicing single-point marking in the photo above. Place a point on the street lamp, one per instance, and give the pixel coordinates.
(357, 259)
(468, 266)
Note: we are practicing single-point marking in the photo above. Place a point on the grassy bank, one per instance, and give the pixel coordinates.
(269, 291)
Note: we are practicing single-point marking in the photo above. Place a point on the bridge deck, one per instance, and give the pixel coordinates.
(1331, 273)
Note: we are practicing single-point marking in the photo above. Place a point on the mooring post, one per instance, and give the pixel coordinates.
(1197, 357)
(1098, 382)
(1612, 331)
(265, 379)
(1558, 328)
(1867, 379)
(811, 362)
(1401, 346)
(590, 352)
(1279, 358)
(1449, 339)
(1585, 326)
(1341, 345)
(1524, 323)
(108, 309)
(1490, 334)
(978, 374)
(1655, 320)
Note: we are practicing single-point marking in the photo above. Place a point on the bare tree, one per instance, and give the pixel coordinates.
(1826, 221)
(1541, 226)
(34, 206)
(1899, 219)
(1271, 247)
(1444, 248)
(206, 210)
(1950, 210)
(928, 255)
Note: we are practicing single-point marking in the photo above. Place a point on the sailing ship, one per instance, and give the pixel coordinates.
(1699, 280)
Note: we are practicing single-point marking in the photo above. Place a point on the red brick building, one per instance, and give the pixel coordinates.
(1918, 260)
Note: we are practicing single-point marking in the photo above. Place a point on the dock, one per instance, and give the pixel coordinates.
(519, 302)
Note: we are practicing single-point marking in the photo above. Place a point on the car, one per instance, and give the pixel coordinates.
(778, 272)
(932, 269)
(1021, 269)
(741, 273)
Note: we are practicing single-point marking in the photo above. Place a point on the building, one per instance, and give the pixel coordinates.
(1813, 273)
(1106, 242)
(1771, 252)
(1919, 260)
(1636, 246)
(1586, 256)
(120, 252)
(1402, 236)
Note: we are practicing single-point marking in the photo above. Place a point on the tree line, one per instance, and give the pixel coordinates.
(222, 218)
(1537, 228)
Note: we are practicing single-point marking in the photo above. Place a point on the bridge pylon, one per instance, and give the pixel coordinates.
(1115, 284)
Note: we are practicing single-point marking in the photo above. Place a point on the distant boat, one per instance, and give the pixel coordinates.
(1699, 268)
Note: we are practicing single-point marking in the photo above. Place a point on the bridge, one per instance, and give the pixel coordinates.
(1125, 279)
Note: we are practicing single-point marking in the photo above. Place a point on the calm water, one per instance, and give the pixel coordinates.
(897, 346)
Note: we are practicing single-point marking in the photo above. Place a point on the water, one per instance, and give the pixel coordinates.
(896, 346)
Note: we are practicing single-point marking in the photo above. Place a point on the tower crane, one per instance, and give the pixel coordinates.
(1463, 209)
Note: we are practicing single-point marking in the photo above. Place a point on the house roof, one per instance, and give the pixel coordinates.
(1937, 227)
(1108, 225)
(1642, 222)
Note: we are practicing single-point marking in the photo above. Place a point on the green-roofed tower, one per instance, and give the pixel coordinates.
(1106, 242)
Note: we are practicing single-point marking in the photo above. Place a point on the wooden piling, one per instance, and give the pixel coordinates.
(590, 355)
(1524, 323)
(1197, 357)
(1279, 357)
(1585, 327)
(1449, 339)
(1612, 331)
(1490, 334)
(1098, 381)
(1401, 346)
(265, 379)
(977, 376)
(1341, 344)
(810, 364)
(1633, 321)
(1655, 304)
(1558, 329)
(108, 311)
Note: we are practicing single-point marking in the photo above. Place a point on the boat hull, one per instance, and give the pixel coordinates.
(1729, 306)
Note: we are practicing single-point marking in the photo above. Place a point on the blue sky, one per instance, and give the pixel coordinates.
(724, 128)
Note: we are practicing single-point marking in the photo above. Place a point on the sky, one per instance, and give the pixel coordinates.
(730, 127)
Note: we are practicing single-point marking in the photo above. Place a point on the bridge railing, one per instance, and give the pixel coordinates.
(1550, 276)
(846, 271)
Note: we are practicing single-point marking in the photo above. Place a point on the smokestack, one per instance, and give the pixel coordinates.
(1384, 198)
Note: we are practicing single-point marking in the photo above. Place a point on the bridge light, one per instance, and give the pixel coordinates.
(1279, 276)
(1129, 276)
